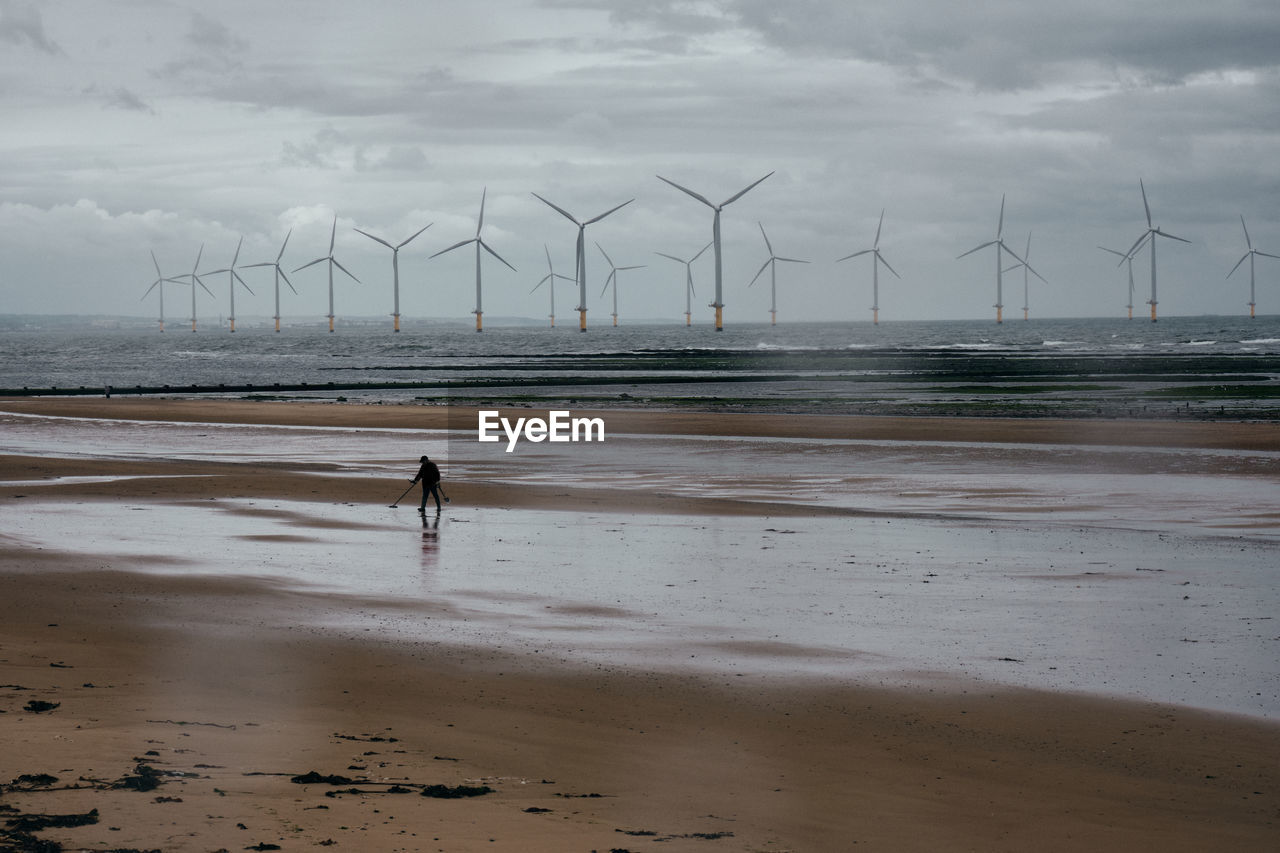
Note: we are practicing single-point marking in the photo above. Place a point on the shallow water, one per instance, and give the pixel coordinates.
(1097, 570)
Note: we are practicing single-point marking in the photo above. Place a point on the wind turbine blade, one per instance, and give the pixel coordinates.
(606, 254)
(198, 256)
(311, 264)
(485, 246)
(202, 284)
(612, 276)
(1012, 268)
(564, 277)
(687, 190)
(1138, 244)
(876, 244)
(539, 284)
(1013, 254)
(1145, 206)
(1036, 274)
(607, 212)
(566, 214)
(1000, 227)
(415, 234)
(160, 275)
(239, 279)
(333, 234)
(1247, 241)
(151, 288)
(282, 245)
(760, 272)
(236, 257)
(1170, 236)
(863, 252)
(886, 263)
(459, 244)
(480, 223)
(286, 281)
(672, 257)
(700, 251)
(216, 272)
(1233, 269)
(371, 237)
(1265, 254)
(743, 192)
(263, 264)
(976, 248)
(344, 269)
(1113, 251)
(791, 260)
(634, 267)
(767, 244)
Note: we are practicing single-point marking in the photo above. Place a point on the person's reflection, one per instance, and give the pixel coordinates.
(430, 539)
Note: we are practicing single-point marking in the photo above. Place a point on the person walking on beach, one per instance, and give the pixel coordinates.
(429, 474)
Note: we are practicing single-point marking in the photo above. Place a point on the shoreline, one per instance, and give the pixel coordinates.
(228, 687)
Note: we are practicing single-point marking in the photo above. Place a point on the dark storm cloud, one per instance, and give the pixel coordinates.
(21, 24)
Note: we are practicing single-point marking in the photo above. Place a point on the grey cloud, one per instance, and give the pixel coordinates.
(124, 99)
(22, 24)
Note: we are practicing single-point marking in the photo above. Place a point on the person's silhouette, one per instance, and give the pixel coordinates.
(429, 474)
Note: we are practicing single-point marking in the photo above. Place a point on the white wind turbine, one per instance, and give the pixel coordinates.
(550, 280)
(279, 275)
(395, 265)
(480, 244)
(1249, 254)
(232, 278)
(1026, 279)
(613, 279)
(333, 262)
(688, 281)
(772, 265)
(1126, 259)
(876, 260)
(580, 252)
(718, 304)
(1150, 234)
(159, 283)
(998, 242)
(195, 279)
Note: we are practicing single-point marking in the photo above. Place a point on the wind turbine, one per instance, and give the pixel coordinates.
(232, 278)
(998, 242)
(395, 265)
(580, 253)
(1249, 254)
(480, 244)
(613, 279)
(1150, 234)
(876, 260)
(195, 279)
(688, 281)
(1129, 260)
(159, 282)
(1026, 280)
(279, 275)
(550, 280)
(333, 262)
(715, 239)
(772, 264)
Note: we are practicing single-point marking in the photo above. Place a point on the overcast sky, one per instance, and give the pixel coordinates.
(153, 125)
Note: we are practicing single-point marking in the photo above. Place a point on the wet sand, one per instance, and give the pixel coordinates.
(228, 687)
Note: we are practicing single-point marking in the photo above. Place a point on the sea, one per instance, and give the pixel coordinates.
(1208, 366)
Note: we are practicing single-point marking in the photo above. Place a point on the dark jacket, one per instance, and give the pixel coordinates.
(429, 474)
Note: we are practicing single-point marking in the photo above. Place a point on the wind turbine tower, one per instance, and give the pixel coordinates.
(480, 244)
(613, 279)
(1151, 234)
(1026, 279)
(333, 262)
(395, 266)
(1001, 248)
(876, 260)
(159, 283)
(580, 253)
(1124, 259)
(550, 280)
(232, 278)
(688, 281)
(718, 304)
(195, 279)
(1249, 254)
(772, 264)
(279, 275)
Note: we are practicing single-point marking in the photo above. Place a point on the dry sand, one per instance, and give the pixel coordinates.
(204, 681)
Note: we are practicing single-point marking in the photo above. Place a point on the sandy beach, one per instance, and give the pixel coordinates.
(184, 695)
